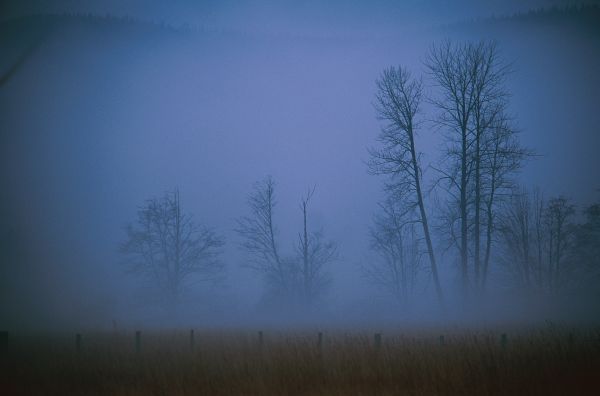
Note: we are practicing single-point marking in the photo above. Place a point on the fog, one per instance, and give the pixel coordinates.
(113, 103)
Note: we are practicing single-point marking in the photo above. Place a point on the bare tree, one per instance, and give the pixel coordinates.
(490, 98)
(450, 67)
(482, 150)
(558, 214)
(394, 239)
(297, 278)
(536, 239)
(397, 104)
(585, 254)
(167, 247)
(314, 253)
(517, 232)
(259, 234)
(501, 156)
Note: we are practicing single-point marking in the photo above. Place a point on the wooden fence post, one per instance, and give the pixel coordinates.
(377, 341)
(320, 343)
(3, 343)
(260, 340)
(571, 340)
(503, 340)
(78, 343)
(138, 341)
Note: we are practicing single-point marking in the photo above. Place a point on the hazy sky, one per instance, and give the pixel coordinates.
(102, 117)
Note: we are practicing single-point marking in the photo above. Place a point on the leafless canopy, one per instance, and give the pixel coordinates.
(536, 237)
(259, 235)
(313, 254)
(397, 104)
(298, 278)
(167, 247)
(482, 151)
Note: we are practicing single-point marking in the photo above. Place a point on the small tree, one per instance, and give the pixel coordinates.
(537, 240)
(501, 157)
(518, 236)
(169, 249)
(314, 253)
(300, 277)
(394, 240)
(558, 215)
(585, 255)
(260, 238)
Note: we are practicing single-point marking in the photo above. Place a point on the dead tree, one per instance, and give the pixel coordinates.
(449, 66)
(517, 234)
(536, 238)
(295, 277)
(558, 214)
(482, 149)
(314, 254)
(168, 248)
(489, 104)
(259, 236)
(397, 104)
(585, 253)
(500, 158)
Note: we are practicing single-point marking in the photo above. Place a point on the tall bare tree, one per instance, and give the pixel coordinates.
(167, 247)
(490, 99)
(449, 65)
(397, 104)
(482, 149)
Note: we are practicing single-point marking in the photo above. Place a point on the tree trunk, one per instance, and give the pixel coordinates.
(305, 268)
(425, 224)
(463, 215)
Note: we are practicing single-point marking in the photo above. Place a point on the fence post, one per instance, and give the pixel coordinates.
(320, 343)
(503, 340)
(377, 341)
(192, 341)
(571, 340)
(3, 343)
(78, 343)
(260, 340)
(138, 341)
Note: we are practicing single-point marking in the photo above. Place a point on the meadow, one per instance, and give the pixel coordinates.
(547, 361)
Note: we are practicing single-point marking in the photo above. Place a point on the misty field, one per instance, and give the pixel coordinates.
(430, 362)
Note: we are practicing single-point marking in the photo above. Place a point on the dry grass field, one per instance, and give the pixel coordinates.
(526, 362)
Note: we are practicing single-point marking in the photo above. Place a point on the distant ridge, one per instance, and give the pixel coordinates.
(585, 16)
(93, 19)
(64, 20)
(590, 12)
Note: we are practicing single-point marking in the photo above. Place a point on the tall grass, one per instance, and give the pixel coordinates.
(549, 362)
